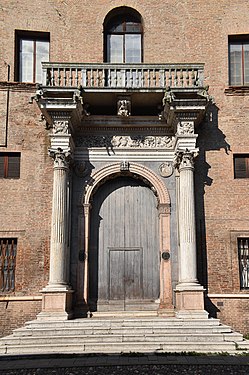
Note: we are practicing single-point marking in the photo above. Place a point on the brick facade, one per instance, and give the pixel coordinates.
(174, 32)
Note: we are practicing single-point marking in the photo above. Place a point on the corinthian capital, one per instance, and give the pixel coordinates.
(185, 158)
(61, 158)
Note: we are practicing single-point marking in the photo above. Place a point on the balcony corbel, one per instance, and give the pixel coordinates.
(58, 102)
(181, 105)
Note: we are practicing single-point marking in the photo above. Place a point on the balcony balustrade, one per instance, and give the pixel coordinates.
(123, 76)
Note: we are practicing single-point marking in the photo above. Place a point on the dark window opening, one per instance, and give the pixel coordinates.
(123, 37)
(8, 249)
(31, 49)
(10, 164)
(239, 60)
(243, 252)
(241, 166)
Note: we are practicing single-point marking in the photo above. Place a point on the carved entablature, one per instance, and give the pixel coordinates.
(185, 158)
(185, 128)
(150, 142)
(60, 157)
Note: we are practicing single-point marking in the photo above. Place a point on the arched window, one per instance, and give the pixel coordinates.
(123, 36)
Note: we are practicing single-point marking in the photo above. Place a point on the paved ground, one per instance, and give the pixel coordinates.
(124, 364)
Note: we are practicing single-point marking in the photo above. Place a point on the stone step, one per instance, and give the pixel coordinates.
(59, 331)
(125, 337)
(202, 347)
(112, 323)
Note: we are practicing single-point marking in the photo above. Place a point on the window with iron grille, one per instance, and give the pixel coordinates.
(10, 164)
(239, 60)
(241, 166)
(8, 248)
(243, 262)
(32, 48)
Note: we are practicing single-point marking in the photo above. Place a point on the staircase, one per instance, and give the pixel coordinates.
(124, 334)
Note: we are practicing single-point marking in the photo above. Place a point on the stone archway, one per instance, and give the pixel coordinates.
(163, 205)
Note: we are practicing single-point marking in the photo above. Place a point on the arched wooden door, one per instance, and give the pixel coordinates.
(124, 247)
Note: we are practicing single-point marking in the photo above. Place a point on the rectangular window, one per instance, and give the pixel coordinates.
(239, 60)
(32, 48)
(10, 164)
(241, 166)
(8, 248)
(243, 252)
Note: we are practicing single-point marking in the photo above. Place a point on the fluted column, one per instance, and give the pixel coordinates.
(59, 228)
(187, 233)
(189, 293)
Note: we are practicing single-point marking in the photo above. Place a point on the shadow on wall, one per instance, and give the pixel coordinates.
(210, 137)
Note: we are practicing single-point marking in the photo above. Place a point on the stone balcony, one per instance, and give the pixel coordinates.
(104, 77)
(90, 92)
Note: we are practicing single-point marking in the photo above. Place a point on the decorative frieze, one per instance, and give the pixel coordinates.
(126, 141)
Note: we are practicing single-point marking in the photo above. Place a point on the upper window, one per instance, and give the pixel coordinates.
(123, 36)
(31, 50)
(10, 164)
(241, 166)
(239, 60)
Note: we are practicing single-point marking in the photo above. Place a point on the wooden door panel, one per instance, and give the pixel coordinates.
(124, 217)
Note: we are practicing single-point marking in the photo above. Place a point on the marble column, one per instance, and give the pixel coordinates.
(189, 293)
(57, 295)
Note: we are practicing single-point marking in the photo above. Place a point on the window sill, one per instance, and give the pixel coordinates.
(237, 90)
(18, 85)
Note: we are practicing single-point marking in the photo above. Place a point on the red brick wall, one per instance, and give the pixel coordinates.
(189, 31)
(13, 314)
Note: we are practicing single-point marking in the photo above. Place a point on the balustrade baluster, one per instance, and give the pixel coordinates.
(142, 77)
(70, 77)
(154, 78)
(102, 84)
(181, 78)
(97, 77)
(176, 78)
(148, 78)
(91, 78)
(187, 78)
(109, 78)
(169, 83)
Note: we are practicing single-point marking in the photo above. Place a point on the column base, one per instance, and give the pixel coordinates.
(56, 304)
(190, 301)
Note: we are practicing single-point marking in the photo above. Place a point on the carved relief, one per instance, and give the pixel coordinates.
(165, 169)
(164, 209)
(81, 168)
(185, 127)
(124, 165)
(126, 141)
(185, 159)
(60, 126)
(124, 107)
